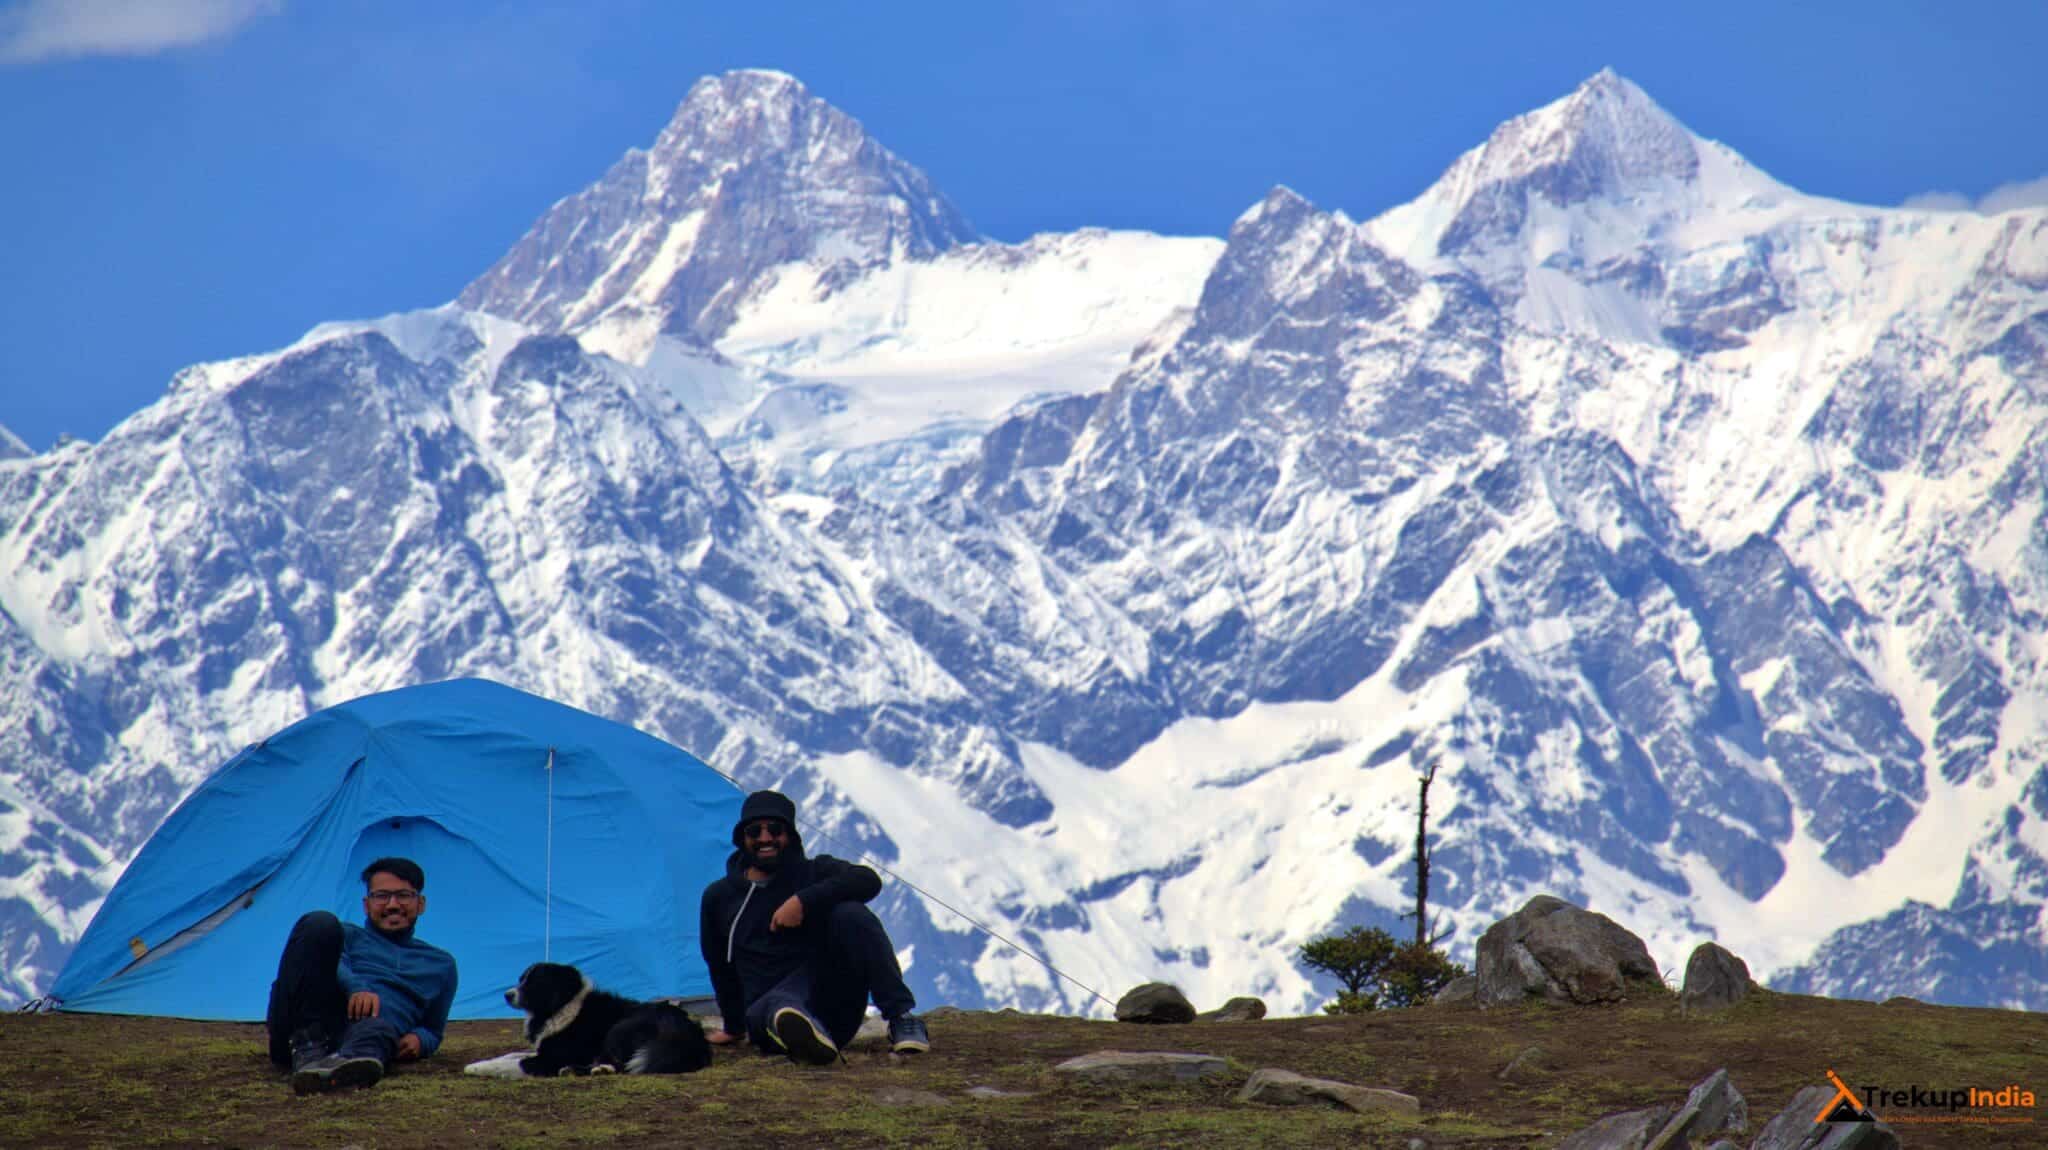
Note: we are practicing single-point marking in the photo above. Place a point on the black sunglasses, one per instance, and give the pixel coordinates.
(766, 828)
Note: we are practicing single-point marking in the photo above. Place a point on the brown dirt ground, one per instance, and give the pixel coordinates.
(84, 1080)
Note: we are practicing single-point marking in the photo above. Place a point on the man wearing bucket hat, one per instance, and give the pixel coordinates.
(794, 952)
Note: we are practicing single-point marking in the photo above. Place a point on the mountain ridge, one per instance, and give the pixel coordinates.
(1705, 558)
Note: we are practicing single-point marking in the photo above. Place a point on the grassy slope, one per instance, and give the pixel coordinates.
(74, 1080)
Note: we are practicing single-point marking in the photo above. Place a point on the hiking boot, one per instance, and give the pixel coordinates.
(907, 1035)
(309, 1046)
(360, 1070)
(316, 1075)
(802, 1037)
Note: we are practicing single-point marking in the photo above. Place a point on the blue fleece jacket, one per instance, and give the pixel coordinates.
(413, 981)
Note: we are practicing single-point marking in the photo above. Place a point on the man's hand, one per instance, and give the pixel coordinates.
(721, 1038)
(789, 915)
(363, 1004)
(408, 1047)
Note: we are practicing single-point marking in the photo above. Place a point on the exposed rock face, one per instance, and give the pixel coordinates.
(1714, 980)
(753, 171)
(1552, 949)
(1148, 1068)
(1155, 1002)
(1286, 1088)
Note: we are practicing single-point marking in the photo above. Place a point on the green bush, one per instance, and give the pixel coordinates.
(1377, 971)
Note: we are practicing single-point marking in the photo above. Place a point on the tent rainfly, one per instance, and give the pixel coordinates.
(544, 831)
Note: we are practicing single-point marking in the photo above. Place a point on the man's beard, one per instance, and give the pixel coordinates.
(768, 864)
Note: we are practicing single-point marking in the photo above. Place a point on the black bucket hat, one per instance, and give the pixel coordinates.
(765, 805)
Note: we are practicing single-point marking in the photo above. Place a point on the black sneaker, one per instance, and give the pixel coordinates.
(361, 1070)
(315, 1076)
(907, 1035)
(802, 1037)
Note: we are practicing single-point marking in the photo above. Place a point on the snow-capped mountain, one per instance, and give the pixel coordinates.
(11, 446)
(815, 303)
(1113, 587)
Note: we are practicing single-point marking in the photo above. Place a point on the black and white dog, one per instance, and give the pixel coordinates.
(578, 1029)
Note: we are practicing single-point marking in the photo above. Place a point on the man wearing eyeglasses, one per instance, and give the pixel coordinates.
(350, 1000)
(794, 952)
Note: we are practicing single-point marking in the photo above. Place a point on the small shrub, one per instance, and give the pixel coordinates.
(1377, 971)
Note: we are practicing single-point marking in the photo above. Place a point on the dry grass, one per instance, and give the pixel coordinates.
(75, 1080)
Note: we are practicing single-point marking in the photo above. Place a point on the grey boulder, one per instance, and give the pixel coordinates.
(1714, 980)
(1155, 1002)
(1553, 950)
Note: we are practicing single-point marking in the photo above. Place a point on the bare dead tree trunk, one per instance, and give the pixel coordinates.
(1422, 859)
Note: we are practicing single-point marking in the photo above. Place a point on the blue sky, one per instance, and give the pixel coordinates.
(196, 179)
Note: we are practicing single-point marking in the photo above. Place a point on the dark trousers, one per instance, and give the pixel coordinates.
(852, 962)
(307, 999)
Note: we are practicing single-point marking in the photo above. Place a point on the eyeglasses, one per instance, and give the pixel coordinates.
(384, 897)
(765, 829)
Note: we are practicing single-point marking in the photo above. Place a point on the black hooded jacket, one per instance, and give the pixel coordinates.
(745, 958)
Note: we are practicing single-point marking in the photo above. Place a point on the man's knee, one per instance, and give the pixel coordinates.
(853, 918)
(317, 928)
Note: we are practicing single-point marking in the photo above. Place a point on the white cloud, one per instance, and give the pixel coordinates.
(2003, 198)
(2023, 194)
(34, 30)
(1938, 202)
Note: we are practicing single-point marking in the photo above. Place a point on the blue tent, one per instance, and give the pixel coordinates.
(542, 830)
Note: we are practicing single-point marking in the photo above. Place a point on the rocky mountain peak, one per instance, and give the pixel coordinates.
(11, 446)
(1607, 137)
(752, 173)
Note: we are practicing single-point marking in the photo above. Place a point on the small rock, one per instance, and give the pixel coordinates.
(1277, 1087)
(1714, 980)
(1794, 1125)
(1627, 1131)
(1156, 1002)
(1713, 1106)
(1152, 1068)
(1458, 991)
(905, 1096)
(872, 1032)
(989, 1092)
(1241, 1009)
(1526, 1066)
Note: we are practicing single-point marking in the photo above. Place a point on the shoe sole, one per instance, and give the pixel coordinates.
(311, 1081)
(911, 1046)
(801, 1038)
(357, 1073)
